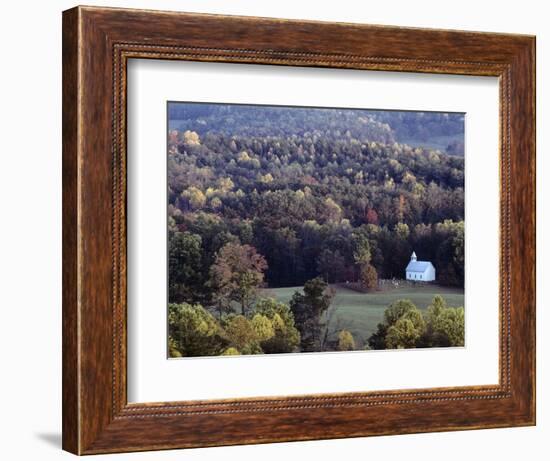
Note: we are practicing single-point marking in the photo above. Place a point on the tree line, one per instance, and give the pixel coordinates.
(272, 327)
(246, 322)
(268, 121)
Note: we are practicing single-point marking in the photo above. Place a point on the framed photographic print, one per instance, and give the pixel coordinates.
(281, 230)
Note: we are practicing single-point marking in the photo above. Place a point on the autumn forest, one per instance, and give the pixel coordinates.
(289, 229)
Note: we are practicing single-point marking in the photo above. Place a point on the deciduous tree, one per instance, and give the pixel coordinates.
(345, 341)
(286, 337)
(241, 335)
(402, 335)
(237, 274)
(444, 325)
(193, 331)
(403, 326)
(369, 277)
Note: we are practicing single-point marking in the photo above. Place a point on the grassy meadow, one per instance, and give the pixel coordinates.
(360, 313)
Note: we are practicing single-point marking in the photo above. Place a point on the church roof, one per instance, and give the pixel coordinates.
(418, 266)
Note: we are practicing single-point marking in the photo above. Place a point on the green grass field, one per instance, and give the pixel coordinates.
(360, 313)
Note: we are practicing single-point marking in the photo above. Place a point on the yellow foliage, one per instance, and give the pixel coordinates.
(191, 138)
(231, 351)
(345, 341)
(263, 327)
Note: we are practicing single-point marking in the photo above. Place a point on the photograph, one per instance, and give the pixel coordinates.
(313, 229)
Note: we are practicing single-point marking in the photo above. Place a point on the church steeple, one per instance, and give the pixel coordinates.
(413, 256)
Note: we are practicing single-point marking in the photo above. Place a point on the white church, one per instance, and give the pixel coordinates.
(420, 271)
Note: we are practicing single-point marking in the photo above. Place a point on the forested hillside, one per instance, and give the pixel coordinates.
(300, 194)
(443, 131)
(304, 198)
